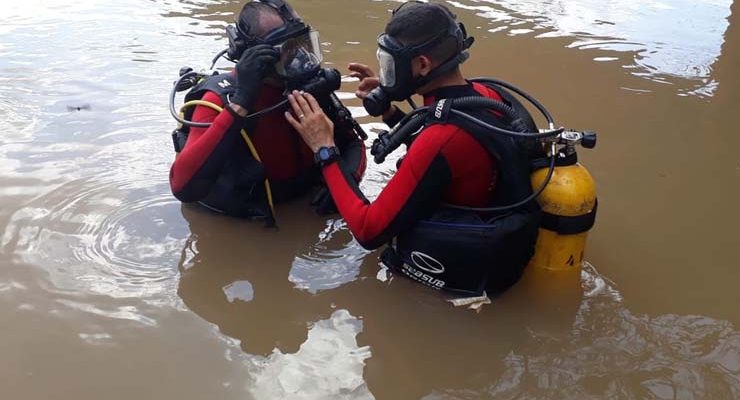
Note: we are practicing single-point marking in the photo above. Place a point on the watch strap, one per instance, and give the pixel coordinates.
(326, 155)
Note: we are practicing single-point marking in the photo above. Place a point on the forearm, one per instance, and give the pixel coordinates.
(200, 163)
(407, 197)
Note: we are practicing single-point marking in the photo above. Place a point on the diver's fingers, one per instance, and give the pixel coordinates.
(305, 107)
(360, 70)
(369, 84)
(314, 104)
(296, 125)
(297, 110)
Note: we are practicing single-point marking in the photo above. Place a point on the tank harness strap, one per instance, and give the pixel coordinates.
(569, 225)
(441, 113)
(179, 138)
(540, 163)
(391, 259)
(563, 160)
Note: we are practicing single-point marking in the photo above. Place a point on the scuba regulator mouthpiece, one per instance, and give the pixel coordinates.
(376, 102)
(324, 83)
(322, 86)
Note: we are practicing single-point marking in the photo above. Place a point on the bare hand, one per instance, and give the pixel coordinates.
(367, 77)
(368, 82)
(315, 127)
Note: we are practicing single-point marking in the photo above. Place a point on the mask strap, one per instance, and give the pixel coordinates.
(442, 69)
(283, 8)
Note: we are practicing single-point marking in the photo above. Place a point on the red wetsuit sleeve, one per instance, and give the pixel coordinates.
(198, 166)
(414, 192)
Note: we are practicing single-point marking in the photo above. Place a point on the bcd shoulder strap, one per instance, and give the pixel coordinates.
(222, 84)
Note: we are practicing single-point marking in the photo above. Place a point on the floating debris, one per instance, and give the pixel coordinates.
(85, 107)
(473, 303)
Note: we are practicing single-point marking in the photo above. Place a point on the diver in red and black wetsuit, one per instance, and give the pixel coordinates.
(216, 167)
(449, 162)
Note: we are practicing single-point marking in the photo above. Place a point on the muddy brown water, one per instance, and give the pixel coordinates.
(109, 288)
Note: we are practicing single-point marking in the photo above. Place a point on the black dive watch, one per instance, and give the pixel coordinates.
(326, 155)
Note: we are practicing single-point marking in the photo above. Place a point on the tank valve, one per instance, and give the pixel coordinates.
(588, 140)
(571, 139)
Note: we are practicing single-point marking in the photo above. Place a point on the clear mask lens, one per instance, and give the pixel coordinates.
(299, 56)
(387, 68)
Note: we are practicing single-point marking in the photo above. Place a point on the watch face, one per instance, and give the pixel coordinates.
(324, 153)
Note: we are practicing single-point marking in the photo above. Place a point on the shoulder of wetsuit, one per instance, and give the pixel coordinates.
(513, 156)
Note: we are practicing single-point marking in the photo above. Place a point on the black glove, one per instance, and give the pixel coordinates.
(250, 71)
(323, 203)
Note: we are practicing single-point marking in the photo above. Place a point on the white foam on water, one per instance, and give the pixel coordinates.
(329, 364)
(239, 290)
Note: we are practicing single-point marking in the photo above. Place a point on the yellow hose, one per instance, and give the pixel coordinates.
(247, 140)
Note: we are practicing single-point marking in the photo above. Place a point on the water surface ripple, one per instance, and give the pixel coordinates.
(658, 40)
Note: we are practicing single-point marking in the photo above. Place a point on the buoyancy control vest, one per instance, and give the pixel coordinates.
(239, 191)
(222, 84)
(468, 252)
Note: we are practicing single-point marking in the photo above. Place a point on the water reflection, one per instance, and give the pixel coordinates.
(612, 353)
(331, 262)
(222, 252)
(237, 275)
(663, 39)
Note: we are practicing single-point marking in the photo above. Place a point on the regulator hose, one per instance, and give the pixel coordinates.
(173, 111)
(413, 121)
(389, 142)
(522, 93)
(218, 56)
(475, 102)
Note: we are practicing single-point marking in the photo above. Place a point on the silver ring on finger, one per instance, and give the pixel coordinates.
(302, 116)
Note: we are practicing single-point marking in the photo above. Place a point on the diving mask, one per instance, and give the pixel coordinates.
(387, 68)
(300, 57)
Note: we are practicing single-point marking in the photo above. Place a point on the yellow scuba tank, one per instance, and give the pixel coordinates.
(568, 208)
